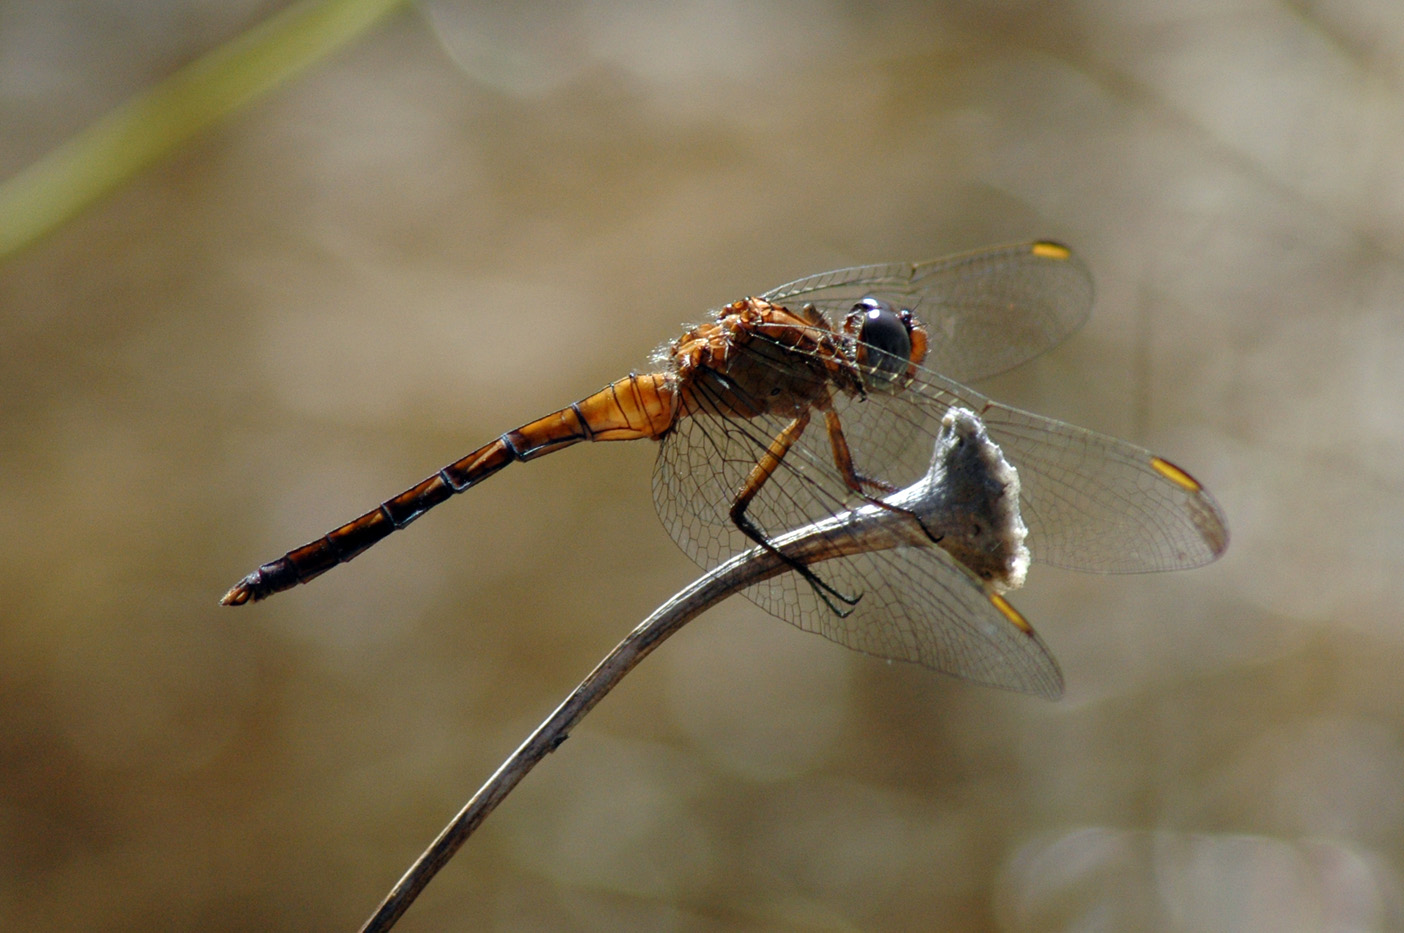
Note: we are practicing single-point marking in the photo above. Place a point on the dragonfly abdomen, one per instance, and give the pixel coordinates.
(638, 406)
(342, 544)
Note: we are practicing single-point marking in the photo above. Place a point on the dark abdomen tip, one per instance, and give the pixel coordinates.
(271, 578)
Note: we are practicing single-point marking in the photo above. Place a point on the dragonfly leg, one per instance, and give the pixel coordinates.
(854, 480)
(843, 459)
(763, 470)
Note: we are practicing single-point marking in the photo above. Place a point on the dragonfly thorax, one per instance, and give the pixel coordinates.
(760, 358)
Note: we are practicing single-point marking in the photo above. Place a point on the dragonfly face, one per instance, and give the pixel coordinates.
(890, 343)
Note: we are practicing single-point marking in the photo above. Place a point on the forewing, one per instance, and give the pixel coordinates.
(1094, 502)
(985, 311)
(1091, 502)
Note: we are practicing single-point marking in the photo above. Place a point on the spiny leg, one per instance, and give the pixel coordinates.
(843, 460)
(760, 473)
(854, 480)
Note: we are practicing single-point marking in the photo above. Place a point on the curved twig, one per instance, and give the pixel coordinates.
(905, 518)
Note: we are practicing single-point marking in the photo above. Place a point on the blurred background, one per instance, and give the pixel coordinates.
(474, 215)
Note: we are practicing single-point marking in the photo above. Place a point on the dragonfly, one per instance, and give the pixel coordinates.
(826, 394)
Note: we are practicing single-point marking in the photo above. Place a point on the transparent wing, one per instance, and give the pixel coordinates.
(704, 463)
(1091, 502)
(912, 604)
(986, 311)
(1096, 503)
(918, 605)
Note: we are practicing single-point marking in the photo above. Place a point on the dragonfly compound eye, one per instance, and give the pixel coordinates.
(886, 342)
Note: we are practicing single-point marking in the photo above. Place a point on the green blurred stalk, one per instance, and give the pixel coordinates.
(146, 128)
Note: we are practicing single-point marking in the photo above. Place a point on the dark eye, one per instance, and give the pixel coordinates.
(886, 346)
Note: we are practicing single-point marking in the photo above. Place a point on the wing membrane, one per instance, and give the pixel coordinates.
(912, 604)
(986, 311)
(918, 605)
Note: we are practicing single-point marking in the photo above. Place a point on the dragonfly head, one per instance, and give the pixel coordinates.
(889, 343)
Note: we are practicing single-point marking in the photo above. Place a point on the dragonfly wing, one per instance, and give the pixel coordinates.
(1091, 502)
(913, 604)
(703, 464)
(1094, 502)
(985, 311)
(918, 605)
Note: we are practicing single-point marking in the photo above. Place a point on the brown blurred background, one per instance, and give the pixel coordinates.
(474, 216)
